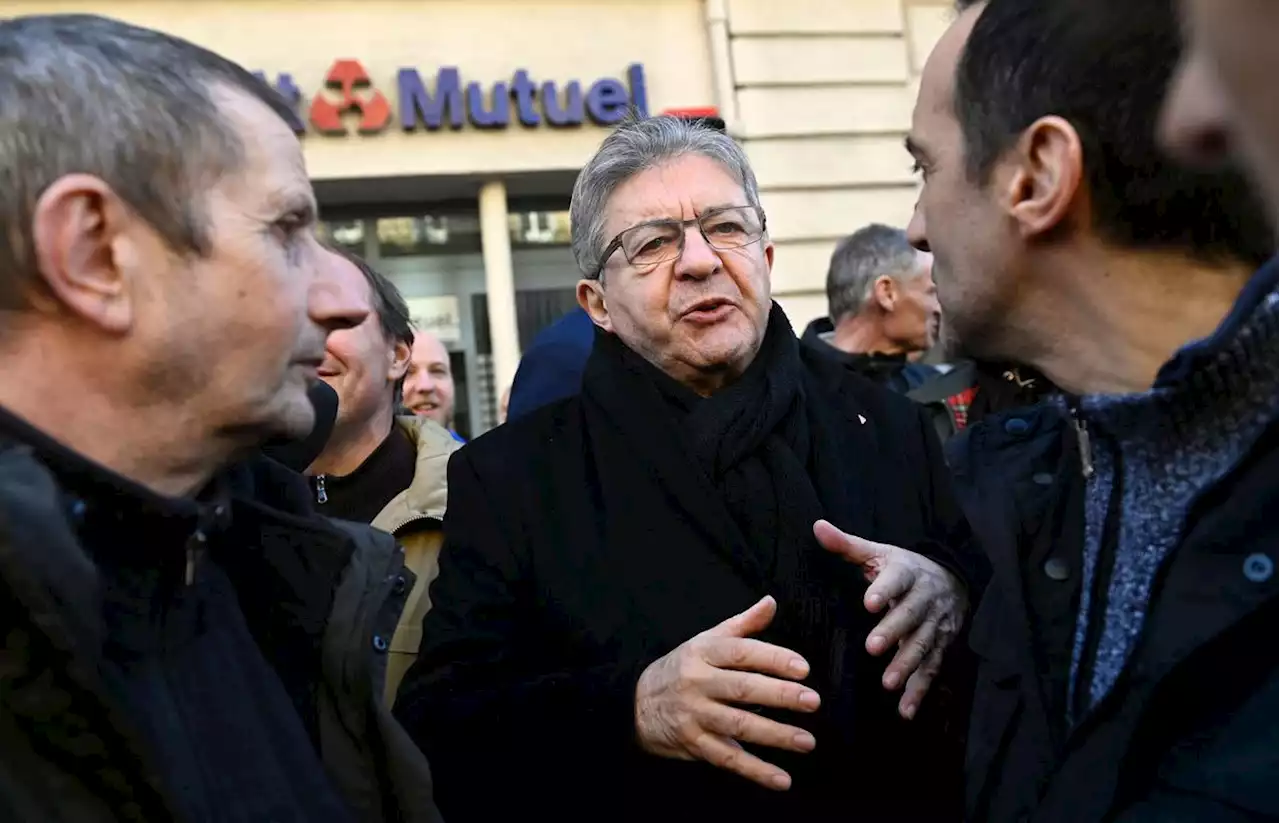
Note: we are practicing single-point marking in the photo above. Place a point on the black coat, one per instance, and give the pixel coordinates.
(577, 552)
(1189, 731)
(893, 371)
(316, 595)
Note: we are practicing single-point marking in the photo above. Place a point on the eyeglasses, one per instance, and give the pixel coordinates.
(649, 245)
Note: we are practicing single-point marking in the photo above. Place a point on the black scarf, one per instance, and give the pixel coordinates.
(759, 443)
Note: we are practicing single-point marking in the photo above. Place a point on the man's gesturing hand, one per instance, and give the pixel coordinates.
(928, 604)
(683, 700)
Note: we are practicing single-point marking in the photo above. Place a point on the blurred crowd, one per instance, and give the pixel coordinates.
(994, 541)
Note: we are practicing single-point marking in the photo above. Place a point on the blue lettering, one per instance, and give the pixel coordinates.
(639, 94)
(524, 90)
(488, 118)
(417, 105)
(292, 95)
(571, 114)
(607, 101)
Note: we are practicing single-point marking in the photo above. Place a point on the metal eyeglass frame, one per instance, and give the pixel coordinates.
(684, 225)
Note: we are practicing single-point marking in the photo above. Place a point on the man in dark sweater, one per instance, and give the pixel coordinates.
(883, 308)
(184, 638)
(376, 468)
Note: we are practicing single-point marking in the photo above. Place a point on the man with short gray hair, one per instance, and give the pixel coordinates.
(183, 638)
(882, 308)
(651, 602)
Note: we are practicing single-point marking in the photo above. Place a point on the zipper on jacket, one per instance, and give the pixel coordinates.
(399, 529)
(322, 496)
(195, 546)
(1082, 440)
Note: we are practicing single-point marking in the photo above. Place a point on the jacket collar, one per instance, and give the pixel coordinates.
(82, 477)
(261, 510)
(819, 335)
(818, 330)
(1261, 287)
(427, 495)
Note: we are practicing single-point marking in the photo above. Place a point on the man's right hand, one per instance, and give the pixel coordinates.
(684, 700)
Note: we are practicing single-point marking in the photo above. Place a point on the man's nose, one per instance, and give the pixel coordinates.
(916, 234)
(1194, 121)
(335, 301)
(697, 259)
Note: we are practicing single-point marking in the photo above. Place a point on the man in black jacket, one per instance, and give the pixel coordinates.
(641, 614)
(882, 308)
(1127, 639)
(183, 638)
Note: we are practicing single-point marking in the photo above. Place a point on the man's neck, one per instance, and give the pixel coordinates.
(1118, 318)
(160, 447)
(352, 443)
(863, 335)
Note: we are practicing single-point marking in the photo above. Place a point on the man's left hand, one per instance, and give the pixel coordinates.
(927, 605)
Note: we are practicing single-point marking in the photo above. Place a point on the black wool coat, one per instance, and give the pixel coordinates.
(579, 548)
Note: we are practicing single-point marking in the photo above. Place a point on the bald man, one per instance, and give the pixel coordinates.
(428, 385)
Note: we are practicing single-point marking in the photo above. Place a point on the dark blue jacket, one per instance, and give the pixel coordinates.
(1189, 731)
(552, 368)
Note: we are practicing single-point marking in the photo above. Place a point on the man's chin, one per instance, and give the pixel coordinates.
(295, 422)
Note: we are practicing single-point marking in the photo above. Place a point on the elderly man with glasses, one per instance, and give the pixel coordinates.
(699, 587)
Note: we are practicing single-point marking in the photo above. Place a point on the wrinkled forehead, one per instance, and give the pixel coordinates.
(679, 188)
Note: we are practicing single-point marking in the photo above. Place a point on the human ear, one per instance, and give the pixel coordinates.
(86, 248)
(399, 365)
(591, 299)
(1042, 192)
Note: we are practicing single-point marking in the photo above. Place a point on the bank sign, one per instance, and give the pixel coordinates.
(351, 98)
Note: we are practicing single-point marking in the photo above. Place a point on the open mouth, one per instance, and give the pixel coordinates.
(712, 310)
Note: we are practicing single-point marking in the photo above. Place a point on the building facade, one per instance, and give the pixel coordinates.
(444, 136)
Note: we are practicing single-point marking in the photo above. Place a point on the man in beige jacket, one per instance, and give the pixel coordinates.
(380, 469)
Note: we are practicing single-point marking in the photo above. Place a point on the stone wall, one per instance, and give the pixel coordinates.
(823, 92)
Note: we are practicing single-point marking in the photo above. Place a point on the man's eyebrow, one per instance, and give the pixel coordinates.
(913, 148)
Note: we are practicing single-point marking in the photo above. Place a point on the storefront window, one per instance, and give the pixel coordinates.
(539, 228)
(427, 234)
(345, 234)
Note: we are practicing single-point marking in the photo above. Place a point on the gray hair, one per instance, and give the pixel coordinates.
(636, 146)
(134, 107)
(860, 260)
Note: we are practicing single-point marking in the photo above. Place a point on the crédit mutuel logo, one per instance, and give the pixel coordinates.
(350, 98)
